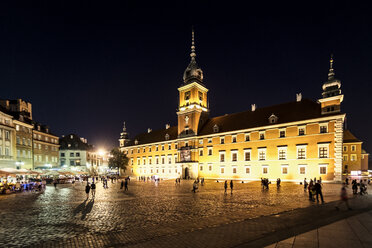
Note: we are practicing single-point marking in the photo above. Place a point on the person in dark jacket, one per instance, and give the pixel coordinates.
(87, 189)
(318, 191)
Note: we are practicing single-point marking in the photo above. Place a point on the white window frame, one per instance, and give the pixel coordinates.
(283, 148)
(222, 139)
(234, 152)
(162, 159)
(247, 167)
(250, 154)
(222, 169)
(201, 152)
(282, 130)
(323, 146)
(263, 167)
(232, 138)
(210, 167)
(300, 147)
(138, 161)
(353, 148)
(323, 125)
(322, 166)
(353, 157)
(210, 140)
(236, 170)
(169, 159)
(284, 166)
(224, 156)
(261, 150)
(249, 137)
(210, 149)
(259, 135)
(298, 130)
(302, 166)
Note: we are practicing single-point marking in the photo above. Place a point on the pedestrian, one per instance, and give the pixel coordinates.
(122, 184)
(55, 183)
(305, 184)
(278, 183)
(310, 188)
(318, 191)
(354, 187)
(126, 185)
(93, 187)
(194, 186)
(347, 181)
(344, 198)
(225, 186)
(202, 181)
(87, 189)
(231, 186)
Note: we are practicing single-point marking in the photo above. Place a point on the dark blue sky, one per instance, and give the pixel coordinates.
(87, 66)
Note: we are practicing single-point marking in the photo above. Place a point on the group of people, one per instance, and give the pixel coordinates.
(231, 186)
(90, 187)
(314, 187)
(355, 185)
(124, 184)
(20, 186)
(265, 183)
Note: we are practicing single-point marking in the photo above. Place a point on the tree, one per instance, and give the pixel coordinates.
(118, 160)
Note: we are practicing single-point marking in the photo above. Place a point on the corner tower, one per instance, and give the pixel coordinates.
(193, 103)
(124, 137)
(331, 96)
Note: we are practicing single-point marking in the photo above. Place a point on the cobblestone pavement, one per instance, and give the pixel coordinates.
(160, 214)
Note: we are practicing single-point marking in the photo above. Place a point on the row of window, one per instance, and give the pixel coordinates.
(23, 129)
(265, 169)
(46, 147)
(46, 138)
(39, 158)
(72, 154)
(24, 141)
(353, 157)
(323, 152)
(158, 160)
(157, 170)
(23, 154)
(162, 147)
(353, 148)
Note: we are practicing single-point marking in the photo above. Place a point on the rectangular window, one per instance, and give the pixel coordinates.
(345, 148)
(144, 161)
(201, 152)
(301, 152)
(150, 160)
(233, 139)
(169, 159)
(234, 156)
(157, 160)
(222, 140)
(144, 149)
(302, 169)
(156, 148)
(169, 147)
(209, 151)
(72, 154)
(284, 169)
(78, 154)
(163, 160)
(247, 137)
(210, 140)
(323, 128)
(261, 154)
(282, 153)
(7, 151)
(201, 167)
(262, 135)
(353, 157)
(7, 135)
(62, 154)
(222, 170)
(301, 131)
(247, 155)
(247, 170)
(323, 169)
(138, 161)
(175, 158)
(210, 167)
(149, 149)
(162, 147)
(131, 161)
(176, 146)
(265, 169)
(282, 133)
(344, 158)
(201, 142)
(234, 170)
(323, 152)
(222, 157)
(353, 148)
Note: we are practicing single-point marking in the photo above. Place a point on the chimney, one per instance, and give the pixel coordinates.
(298, 97)
(253, 107)
(149, 130)
(167, 126)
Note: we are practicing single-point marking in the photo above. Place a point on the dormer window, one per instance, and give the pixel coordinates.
(273, 119)
(216, 128)
(136, 142)
(167, 137)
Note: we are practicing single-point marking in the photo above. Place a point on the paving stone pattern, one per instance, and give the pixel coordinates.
(162, 215)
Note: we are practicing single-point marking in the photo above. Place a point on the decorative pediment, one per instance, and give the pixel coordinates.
(167, 137)
(273, 119)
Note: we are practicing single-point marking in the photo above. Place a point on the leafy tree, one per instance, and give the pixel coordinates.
(118, 160)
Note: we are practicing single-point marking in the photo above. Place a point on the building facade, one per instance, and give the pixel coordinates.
(45, 148)
(291, 141)
(23, 143)
(355, 158)
(7, 140)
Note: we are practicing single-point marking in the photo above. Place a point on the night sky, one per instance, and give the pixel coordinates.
(87, 66)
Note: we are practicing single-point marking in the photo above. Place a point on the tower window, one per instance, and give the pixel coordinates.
(187, 95)
(200, 96)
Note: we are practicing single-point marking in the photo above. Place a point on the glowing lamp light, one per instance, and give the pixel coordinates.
(101, 152)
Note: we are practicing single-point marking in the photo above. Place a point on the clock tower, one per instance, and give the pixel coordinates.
(193, 105)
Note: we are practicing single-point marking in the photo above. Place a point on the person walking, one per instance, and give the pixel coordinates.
(126, 185)
(310, 188)
(93, 187)
(122, 184)
(55, 183)
(231, 186)
(278, 183)
(87, 189)
(194, 186)
(305, 185)
(225, 185)
(344, 198)
(318, 191)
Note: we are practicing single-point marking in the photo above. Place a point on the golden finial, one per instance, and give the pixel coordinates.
(331, 73)
(192, 54)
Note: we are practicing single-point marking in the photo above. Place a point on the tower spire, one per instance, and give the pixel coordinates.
(192, 54)
(331, 73)
(124, 128)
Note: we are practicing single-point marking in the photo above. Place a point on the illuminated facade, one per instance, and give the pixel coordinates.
(291, 141)
(45, 147)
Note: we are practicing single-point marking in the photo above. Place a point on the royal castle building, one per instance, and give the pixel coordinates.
(291, 141)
